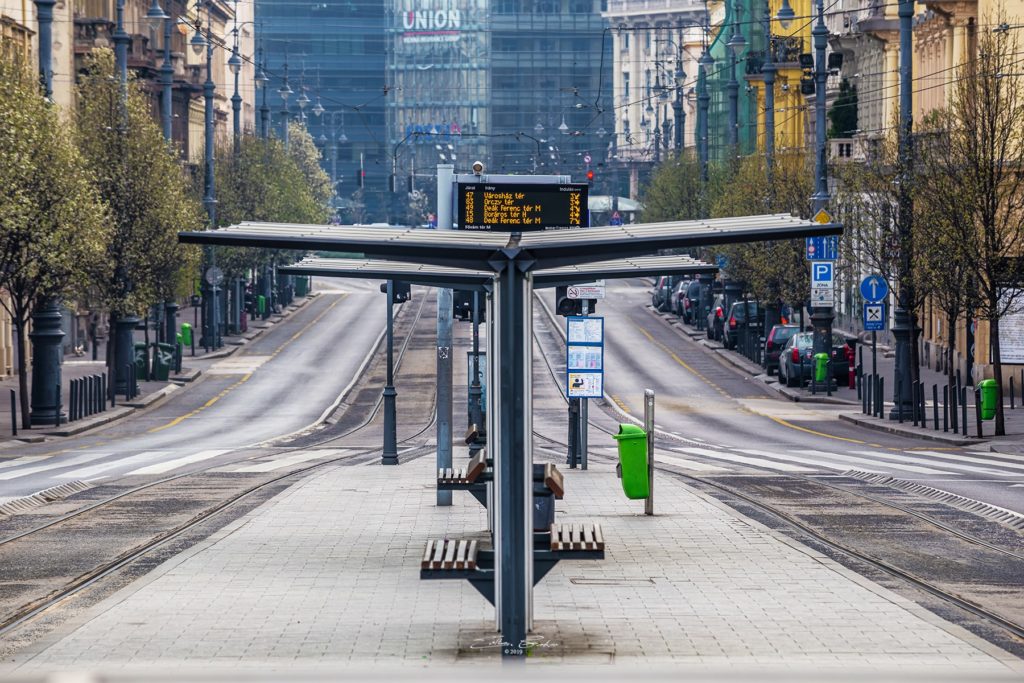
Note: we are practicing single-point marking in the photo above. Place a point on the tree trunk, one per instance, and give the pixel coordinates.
(997, 367)
(23, 398)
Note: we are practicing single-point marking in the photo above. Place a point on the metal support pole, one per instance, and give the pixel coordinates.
(14, 412)
(445, 181)
(44, 12)
(649, 428)
(167, 83)
(935, 407)
(476, 418)
(121, 42)
(703, 104)
(573, 428)
(390, 453)
(768, 71)
(963, 411)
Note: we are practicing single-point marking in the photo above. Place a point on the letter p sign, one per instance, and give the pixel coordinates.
(821, 272)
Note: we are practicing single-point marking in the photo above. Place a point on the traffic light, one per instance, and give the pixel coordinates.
(590, 177)
(566, 306)
(400, 291)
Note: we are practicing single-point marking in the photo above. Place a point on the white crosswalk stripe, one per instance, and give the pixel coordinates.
(24, 460)
(294, 459)
(168, 465)
(815, 463)
(88, 473)
(988, 462)
(663, 457)
(732, 457)
(55, 463)
(901, 458)
(874, 462)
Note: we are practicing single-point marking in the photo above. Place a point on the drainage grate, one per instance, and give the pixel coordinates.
(13, 507)
(611, 581)
(1012, 519)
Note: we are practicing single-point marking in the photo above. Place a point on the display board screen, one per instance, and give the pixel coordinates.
(520, 207)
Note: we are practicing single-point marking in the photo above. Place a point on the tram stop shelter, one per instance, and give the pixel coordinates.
(515, 263)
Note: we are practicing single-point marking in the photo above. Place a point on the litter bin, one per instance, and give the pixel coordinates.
(989, 397)
(261, 304)
(633, 461)
(164, 357)
(301, 286)
(543, 501)
(186, 334)
(141, 361)
(821, 367)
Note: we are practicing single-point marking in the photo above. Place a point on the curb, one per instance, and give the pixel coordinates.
(74, 428)
(150, 399)
(916, 432)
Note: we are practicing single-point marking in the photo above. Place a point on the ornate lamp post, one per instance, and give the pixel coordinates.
(737, 44)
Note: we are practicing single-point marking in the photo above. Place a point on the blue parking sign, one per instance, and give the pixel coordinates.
(821, 272)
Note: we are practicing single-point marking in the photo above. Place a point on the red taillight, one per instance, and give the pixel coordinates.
(732, 322)
(796, 355)
(686, 303)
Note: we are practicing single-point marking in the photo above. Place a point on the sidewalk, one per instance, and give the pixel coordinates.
(1013, 442)
(325, 577)
(149, 391)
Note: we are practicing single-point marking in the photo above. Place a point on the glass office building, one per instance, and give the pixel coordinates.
(336, 48)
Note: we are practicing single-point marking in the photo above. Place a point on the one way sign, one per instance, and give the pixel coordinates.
(874, 317)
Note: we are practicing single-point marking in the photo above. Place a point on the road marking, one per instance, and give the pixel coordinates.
(238, 365)
(619, 403)
(294, 459)
(814, 463)
(88, 473)
(167, 466)
(785, 423)
(661, 457)
(53, 465)
(994, 460)
(731, 457)
(948, 465)
(875, 463)
(24, 460)
(681, 362)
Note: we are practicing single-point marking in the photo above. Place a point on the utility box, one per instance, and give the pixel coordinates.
(164, 356)
(633, 461)
(186, 334)
(989, 398)
(821, 367)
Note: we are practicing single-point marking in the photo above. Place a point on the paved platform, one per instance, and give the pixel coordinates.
(325, 577)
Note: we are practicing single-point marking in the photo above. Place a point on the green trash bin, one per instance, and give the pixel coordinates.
(261, 304)
(301, 285)
(989, 398)
(141, 361)
(633, 461)
(163, 360)
(186, 334)
(820, 367)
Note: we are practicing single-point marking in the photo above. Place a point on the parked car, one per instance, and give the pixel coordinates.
(740, 313)
(690, 303)
(716, 319)
(678, 294)
(773, 343)
(796, 362)
(662, 292)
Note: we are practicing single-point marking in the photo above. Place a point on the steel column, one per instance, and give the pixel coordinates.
(390, 454)
(44, 12)
(445, 173)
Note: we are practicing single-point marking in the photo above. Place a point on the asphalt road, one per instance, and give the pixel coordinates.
(719, 420)
(276, 385)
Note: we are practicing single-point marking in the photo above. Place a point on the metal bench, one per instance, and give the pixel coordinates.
(466, 559)
(473, 478)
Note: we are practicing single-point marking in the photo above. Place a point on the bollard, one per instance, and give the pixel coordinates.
(963, 410)
(954, 411)
(945, 408)
(880, 398)
(129, 381)
(977, 409)
(59, 406)
(73, 407)
(1012, 398)
(860, 371)
(913, 403)
(14, 413)
(899, 412)
(863, 396)
(103, 392)
(935, 407)
(924, 405)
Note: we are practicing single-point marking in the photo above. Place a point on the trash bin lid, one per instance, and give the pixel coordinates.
(986, 383)
(821, 355)
(629, 431)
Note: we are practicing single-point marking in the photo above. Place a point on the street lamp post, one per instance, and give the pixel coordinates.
(768, 70)
(235, 64)
(167, 82)
(121, 41)
(703, 103)
(904, 328)
(737, 43)
(285, 92)
(44, 11)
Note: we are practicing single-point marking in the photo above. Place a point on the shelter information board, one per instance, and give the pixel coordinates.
(584, 360)
(521, 207)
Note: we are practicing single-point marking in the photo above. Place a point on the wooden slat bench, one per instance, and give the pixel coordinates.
(449, 554)
(463, 475)
(567, 537)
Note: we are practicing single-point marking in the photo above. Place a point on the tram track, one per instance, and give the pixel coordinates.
(29, 611)
(732, 495)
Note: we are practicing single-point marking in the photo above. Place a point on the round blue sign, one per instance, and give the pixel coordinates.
(874, 288)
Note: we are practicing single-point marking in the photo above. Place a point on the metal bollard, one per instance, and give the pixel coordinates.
(913, 403)
(935, 407)
(977, 409)
(1012, 397)
(14, 412)
(863, 396)
(945, 408)
(103, 392)
(899, 403)
(954, 411)
(59, 406)
(880, 397)
(73, 408)
(963, 410)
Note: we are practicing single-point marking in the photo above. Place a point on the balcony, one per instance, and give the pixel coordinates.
(786, 53)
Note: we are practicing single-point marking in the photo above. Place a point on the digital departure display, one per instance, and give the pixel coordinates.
(519, 207)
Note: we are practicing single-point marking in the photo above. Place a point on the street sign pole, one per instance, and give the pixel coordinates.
(445, 179)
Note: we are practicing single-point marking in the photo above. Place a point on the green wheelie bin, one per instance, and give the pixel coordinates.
(633, 461)
(989, 389)
(164, 356)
